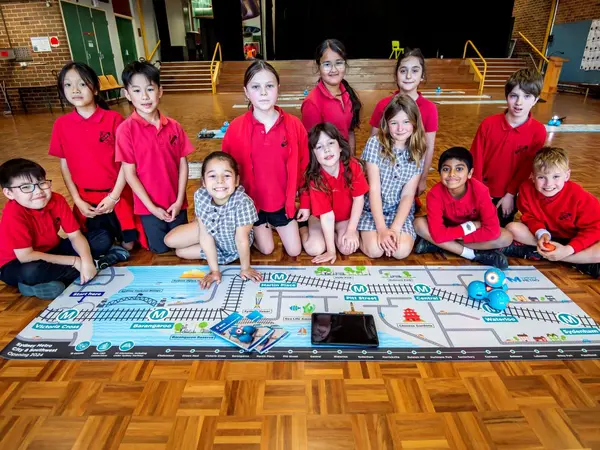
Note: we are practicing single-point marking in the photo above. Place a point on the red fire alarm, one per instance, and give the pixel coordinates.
(54, 41)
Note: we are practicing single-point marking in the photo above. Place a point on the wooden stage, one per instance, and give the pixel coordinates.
(145, 405)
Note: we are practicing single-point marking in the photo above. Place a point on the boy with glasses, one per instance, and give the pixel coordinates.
(32, 254)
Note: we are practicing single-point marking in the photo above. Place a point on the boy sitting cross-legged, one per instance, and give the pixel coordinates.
(32, 254)
(461, 217)
(560, 220)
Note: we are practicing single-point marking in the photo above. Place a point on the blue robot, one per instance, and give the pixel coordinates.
(243, 334)
(224, 127)
(555, 121)
(493, 289)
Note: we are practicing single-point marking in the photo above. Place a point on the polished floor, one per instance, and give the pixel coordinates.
(302, 405)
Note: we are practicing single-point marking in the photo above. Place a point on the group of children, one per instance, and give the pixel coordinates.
(128, 182)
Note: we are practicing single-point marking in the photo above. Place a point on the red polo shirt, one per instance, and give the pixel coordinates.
(88, 145)
(445, 214)
(269, 156)
(339, 199)
(22, 227)
(572, 214)
(429, 114)
(503, 155)
(156, 154)
(322, 106)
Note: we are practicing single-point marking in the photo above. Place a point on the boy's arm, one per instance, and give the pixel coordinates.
(528, 218)
(139, 190)
(175, 208)
(26, 255)
(490, 224)
(587, 222)
(477, 151)
(87, 268)
(440, 233)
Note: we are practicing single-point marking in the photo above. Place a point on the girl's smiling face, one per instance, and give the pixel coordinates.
(220, 180)
(327, 151)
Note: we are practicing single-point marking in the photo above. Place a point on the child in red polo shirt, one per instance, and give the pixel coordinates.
(410, 71)
(271, 148)
(332, 100)
(32, 254)
(505, 143)
(336, 188)
(560, 220)
(84, 140)
(461, 217)
(152, 149)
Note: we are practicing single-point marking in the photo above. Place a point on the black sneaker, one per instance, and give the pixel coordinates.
(491, 258)
(45, 291)
(589, 269)
(518, 250)
(424, 246)
(115, 255)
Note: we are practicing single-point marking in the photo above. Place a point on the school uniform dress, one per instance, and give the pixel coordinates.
(156, 154)
(570, 217)
(222, 221)
(88, 146)
(393, 178)
(446, 214)
(23, 227)
(320, 106)
(503, 155)
(339, 196)
(272, 164)
(429, 113)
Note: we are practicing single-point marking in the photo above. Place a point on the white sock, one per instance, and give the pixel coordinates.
(468, 253)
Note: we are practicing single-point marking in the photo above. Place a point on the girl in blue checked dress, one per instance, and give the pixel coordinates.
(394, 162)
(225, 217)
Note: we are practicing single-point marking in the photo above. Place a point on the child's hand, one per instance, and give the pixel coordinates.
(351, 240)
(303, 215)
(161, 214)
(327, 257)
(561, 252)
(507, 203)
(87, 271)
(386, 240)
(209, 279)
(541, 241)
(106, 206)
(477, 224)
(173, 211)
(251, 274)
(86, 209)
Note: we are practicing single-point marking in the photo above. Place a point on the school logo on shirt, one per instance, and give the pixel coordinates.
(106, 137)
(285, 142)
(173, 139)
(565, 216)
(521, 148)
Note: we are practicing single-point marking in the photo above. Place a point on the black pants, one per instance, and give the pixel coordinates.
(157, 229)
(504, 220)
(37, 272)
(110, 223)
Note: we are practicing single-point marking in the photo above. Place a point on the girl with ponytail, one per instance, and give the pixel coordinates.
(84, 140)
(333, 100)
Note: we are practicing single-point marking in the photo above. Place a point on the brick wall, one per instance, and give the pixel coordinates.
(577, 10)
(531, 17)
(26, 19)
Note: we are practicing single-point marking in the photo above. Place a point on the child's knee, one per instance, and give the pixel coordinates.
(505, 238)
(372, 250)
(294, 250)
(266, 248)
(344, 250)
(314, 247)
(421, 226)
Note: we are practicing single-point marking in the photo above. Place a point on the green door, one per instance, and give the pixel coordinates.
(127, 39)
(89, 39)
(74, 32)
(107, 57)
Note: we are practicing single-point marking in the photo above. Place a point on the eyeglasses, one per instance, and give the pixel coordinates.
(328, 65)
(30, 187)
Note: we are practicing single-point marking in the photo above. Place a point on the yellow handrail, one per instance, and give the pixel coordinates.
(154, 51)
(214, 73)
(474, 66)
(536, 50)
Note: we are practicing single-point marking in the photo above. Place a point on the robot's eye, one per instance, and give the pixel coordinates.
(239, 331)
(492, 278)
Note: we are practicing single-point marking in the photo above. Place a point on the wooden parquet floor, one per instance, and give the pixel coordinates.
(148, 405)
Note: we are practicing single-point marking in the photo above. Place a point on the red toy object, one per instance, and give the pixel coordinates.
(549, 247)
